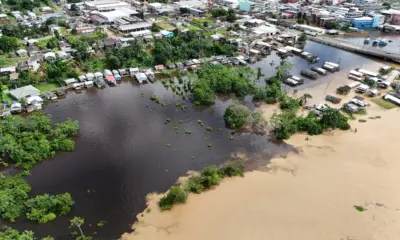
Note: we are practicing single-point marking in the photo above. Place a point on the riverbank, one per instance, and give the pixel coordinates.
(310, 194)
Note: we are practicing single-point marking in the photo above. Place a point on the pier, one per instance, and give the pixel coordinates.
(376, 52)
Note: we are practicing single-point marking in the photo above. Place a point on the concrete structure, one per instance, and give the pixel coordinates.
(109, 17)
(24, 92)
(265, 30)
(126, 25)
(228, 3)
(392, 16)
(246, 6)
(106, 5)
(362, 22)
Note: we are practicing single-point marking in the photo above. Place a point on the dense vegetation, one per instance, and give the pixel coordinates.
(44, 208)
(210, 177)
(15, 202)
(188, 45)
(287, 123)
(12, 234)
(213, 79)
(236, 116)
(8, 44)
(29, 140)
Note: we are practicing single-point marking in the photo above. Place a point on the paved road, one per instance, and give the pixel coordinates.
(395, 57)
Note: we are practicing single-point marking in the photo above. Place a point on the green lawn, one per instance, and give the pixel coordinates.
(47, 87)
(6, 97)
(194, 28)
(5, 61)
(203, 20)
(383, 103)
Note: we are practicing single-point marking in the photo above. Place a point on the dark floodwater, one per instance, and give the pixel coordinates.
(121, 154)
(347, 61)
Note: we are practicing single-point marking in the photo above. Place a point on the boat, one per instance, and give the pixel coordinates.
(88, 84)
(150, 75)
(77, 86)
(366, 41)
(336, 66)
(133, 71)
(110, 79)
(99, 82)
(107, 72)
(318, 70)
(328, 67)
(310, 74)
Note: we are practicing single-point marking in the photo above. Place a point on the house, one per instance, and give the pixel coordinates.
(50, 56)
(8, 70)
(3, 17)
(70, 81)
(62, 55)
(22, 53)
(109, 43)
(166, 34)
(34, 61)
(32, 50)
(100, 44)
(22, 66)
(46, 9)
(24, 92)
(53, 28)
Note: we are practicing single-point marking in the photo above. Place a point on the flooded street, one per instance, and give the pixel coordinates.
(122, 155)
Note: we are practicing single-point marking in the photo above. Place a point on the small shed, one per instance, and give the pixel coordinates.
(50, 56)
(98, 75)
(89, 76)
(141, 77)
(24, 92)
(22, 53)
(166, 34)
(70, 81)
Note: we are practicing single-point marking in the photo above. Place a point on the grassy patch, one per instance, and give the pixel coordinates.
(5, 61)
(6, 97)
(47, 87)
(383, 103)
(194, 28)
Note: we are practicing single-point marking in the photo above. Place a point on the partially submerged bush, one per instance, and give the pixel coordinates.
(211, 176)
(174, 195)
(235, 116)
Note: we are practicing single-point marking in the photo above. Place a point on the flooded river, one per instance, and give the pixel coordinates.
(121, 153)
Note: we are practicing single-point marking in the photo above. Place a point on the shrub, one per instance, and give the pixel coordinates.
(210, 177)
(270, 100)
(231, 170)
(235, 116)
(194, 185)
(174, 195)
(344, 90)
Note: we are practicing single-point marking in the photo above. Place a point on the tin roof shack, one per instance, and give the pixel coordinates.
(141, 78)
(70, 81)
(24, 92)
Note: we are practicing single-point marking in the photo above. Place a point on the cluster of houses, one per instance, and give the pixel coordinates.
(366, 14)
